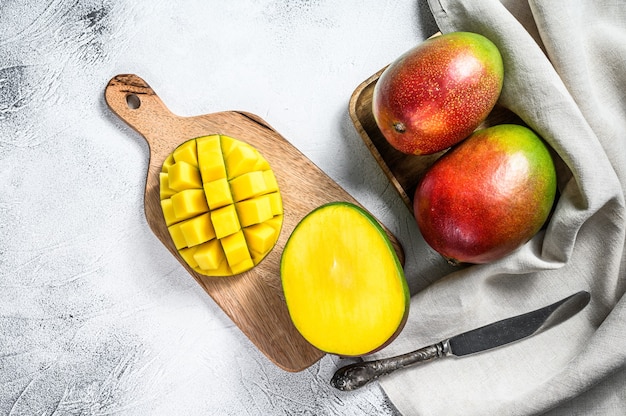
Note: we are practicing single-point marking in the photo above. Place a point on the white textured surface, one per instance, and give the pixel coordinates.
(96, 317)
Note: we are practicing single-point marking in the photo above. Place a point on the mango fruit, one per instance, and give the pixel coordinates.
(486, 196)
(438, 93)
(221, 204)
(344, 286)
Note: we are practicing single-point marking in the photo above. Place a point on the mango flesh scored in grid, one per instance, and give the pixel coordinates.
(221, 204)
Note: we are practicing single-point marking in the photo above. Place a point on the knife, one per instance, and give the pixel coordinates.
(487, 337)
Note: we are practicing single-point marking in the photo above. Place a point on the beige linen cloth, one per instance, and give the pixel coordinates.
(565, 76)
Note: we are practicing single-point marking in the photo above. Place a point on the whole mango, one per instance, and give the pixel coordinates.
(486, 196)
(438, 93)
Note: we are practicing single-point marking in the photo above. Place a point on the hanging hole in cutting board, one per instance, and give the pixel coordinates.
(133, 101)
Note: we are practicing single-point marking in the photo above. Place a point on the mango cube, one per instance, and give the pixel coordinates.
(218, 193)
(182, 175)
(242, 266)
(210, 158)
(260, 237)
(197, 230)
(208, 144)
(169, 161)
(168, 211)
(186, 152)
(188, 255)
(270, 180)
(261, 163)
(240, 160)
(248, 185)
(235, 248)
(276, 203)
(209, 255)
(257, 257)
(177, 235)
(225, 221)
(189, 203)
(164, 186)
(228, 144)
(276, 223)
(221, 204)
(254, 211)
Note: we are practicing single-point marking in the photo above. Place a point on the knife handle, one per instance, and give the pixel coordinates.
(354, 376)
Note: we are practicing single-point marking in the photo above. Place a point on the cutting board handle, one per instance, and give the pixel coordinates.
(135, 102)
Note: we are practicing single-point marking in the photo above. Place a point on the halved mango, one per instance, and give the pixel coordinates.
(221, 203)
(343, 282)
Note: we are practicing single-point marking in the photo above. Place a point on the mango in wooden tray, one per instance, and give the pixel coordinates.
(221, 204)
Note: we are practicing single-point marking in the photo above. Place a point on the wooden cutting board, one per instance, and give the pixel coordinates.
(403, 171)
(253, 300)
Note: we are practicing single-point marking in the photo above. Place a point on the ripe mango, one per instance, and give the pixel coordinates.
(486, 196)
(438, 93)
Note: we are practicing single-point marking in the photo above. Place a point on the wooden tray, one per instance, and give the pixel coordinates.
(253, 300)
(404, 171)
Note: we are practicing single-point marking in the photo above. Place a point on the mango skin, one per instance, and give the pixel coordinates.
(487, 196)
(438, 93)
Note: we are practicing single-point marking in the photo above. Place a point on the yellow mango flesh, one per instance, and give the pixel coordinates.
(344, 286)
(221, 204)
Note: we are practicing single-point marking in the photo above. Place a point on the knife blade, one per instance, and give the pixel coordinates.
(485, 338)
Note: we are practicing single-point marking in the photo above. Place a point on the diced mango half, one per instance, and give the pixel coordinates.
(221, 203)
